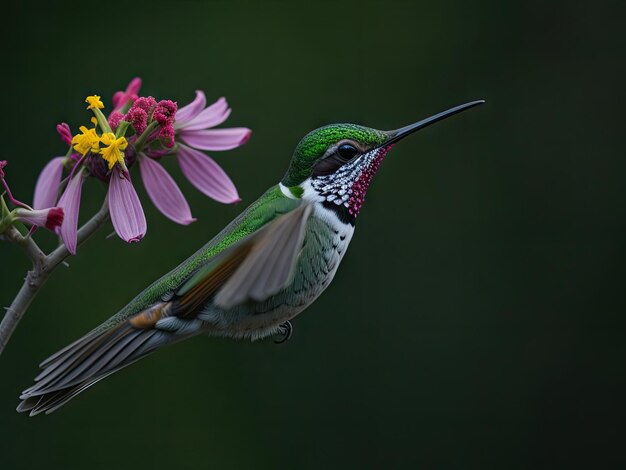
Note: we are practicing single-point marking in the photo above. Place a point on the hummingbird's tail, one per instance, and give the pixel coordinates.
(88, 360)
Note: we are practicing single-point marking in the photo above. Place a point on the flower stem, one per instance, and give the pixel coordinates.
(102, 120)
(14, 201)
(142, 138)
(7, 220)
(121, 129)
(43, 266)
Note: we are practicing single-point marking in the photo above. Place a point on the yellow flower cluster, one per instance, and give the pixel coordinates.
(86, 141)
(113, 153)
(89, 140)
(94, 102)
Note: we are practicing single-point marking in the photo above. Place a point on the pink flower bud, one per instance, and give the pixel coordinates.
(50, 218)
(164, 112)
(66, 134)
(138, 118)
(147, 104)
(166, 134)
(114, 119)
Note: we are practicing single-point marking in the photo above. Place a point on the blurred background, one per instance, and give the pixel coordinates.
(478, 319)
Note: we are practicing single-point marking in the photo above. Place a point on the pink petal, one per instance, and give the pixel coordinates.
(212, 116)
(164, 192)
(216, 139)
(70, 203)
(187, 113)
(120, 98)
(127, 215)
(47, 187)
(206, 175)
(134, 86)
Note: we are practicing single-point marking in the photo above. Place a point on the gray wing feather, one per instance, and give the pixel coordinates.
(269, 265)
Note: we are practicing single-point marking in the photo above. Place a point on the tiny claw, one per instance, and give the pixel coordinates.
(285, 330)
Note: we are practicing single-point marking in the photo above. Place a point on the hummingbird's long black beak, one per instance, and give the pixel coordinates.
(398, 134)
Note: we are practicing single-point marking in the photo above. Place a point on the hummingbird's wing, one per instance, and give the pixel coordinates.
(263, 262)
(252, 268)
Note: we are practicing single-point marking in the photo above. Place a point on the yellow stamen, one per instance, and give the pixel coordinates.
(113, 153)
(86, 141)
(94, 102)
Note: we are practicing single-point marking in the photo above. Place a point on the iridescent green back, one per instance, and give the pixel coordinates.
(265, 209)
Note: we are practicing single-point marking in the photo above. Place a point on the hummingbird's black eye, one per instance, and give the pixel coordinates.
(347, 151)
(335, 159)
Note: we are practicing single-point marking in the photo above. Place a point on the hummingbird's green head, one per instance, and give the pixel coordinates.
(328, 148)
(335, 164)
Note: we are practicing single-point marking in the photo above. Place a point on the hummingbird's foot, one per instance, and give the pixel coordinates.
(285, 330)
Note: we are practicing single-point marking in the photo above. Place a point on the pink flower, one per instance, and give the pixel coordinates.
(127, 214)
(170, 131)
(121, 98)
(50, 218)
(164, 192)
(193, 122)
(70, 203)
(47, 187)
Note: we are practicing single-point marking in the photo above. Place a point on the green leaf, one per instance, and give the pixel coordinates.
(4, 210)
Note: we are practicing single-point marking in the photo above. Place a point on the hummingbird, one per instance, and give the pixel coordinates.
(264, 268)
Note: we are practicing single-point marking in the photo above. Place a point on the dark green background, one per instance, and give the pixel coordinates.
(478, 320)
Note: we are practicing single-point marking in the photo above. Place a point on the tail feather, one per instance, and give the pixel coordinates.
(87, 361)
(97, 362)
(58, 372)
(70, 348)
(49, 402)
(61, 358)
